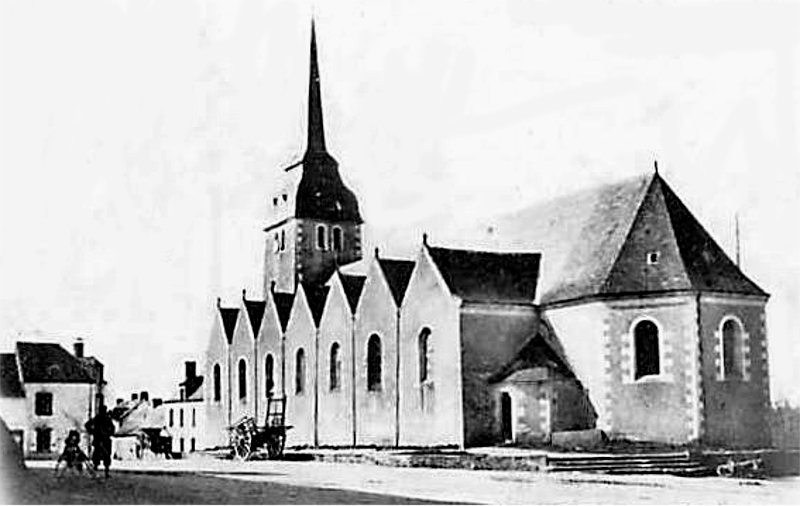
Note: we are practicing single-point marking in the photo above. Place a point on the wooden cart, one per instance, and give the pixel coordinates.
(246, 437)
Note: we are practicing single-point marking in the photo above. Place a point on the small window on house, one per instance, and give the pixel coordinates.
(43, 404)
(181, 445)
(423, 354)
(194, 446)
(374, 363)
(283, 240)
(242, 379)
(217, 386)
(300, 371)
(322, 242)
(269, 375)
(180, 418)
(335, 367)
(653, 257)
(732, 345)
(194, 418)
(337, 239)
(171, 418)
(646, 349)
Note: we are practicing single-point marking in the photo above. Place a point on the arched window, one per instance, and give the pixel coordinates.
(217, 381)
(269, 367)
(194, 418)
(337, 239)
(335, 367)
(732, 363)
(646, 352)
(242, 379)
(321, 238)
(374, 363)
(422, 347)
(300, 371)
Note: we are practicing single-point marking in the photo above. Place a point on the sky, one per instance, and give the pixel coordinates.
(139, 140)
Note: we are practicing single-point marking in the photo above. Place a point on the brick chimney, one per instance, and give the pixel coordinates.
(157, 402)
(144, 396)
(78, 348)
(134, 397)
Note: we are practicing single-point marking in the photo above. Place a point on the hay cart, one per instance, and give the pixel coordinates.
(246, 437)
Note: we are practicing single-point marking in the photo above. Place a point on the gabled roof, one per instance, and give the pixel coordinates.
(353, 285)
(316, 295)
(255, 313)
(536, 352)
(229, 316)
(50, 363)
(283, 303)
(398, 274)
(481, 276)
(10, 385)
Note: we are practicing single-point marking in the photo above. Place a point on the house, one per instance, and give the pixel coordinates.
(184, 418)
(611, 309)
(45, 392)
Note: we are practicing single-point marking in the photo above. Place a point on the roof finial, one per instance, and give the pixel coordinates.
(316, 131)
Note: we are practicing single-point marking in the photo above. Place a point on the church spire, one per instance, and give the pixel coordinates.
(316, 131)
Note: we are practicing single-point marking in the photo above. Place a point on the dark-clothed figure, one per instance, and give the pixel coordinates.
(101, 428)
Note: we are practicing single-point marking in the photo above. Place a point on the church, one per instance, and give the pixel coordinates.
(610, 310)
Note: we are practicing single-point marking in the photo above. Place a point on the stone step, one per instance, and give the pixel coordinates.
(630, 461)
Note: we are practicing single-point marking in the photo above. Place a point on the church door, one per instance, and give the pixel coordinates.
(505, 416)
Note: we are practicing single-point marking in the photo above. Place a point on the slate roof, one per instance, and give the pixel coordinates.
(353, 285)
(398, 274)
(10, 385)
(50, 363)
(582, 236)
(283, 303)
(316, 295)
(255, 313)
(481, 276)
(229, 316)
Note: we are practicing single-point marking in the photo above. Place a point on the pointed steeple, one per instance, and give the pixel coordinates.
(316, 130)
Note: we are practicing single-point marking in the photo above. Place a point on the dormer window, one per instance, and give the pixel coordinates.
(322, 239)
(653, 257)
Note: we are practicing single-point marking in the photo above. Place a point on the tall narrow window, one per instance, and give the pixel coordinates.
(269, 368)
(423, 354)
(242, 379)
(300, 371)
(180, 418)
(283, 240)
(194, 446)
(337, 239)
(171, 417)
(374, 363)
(646, 345)
(731, 349)
(321, 237)
(217, 380)
(335, 367)
(277, 243)
(43, 404)
(194, 418)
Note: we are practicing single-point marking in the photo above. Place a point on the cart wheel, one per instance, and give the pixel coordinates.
(243, 447)
(275, 446)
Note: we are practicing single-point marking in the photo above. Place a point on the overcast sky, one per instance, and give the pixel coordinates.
(139, 138)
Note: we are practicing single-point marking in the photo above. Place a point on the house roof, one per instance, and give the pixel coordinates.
(229, 316)
(316, 295)
(10, 385)
(582, 238)
(50, 363)
(353, 285)
(283, 303)
(191, 385)
(481, 276)
(398, 274)
(255, 313)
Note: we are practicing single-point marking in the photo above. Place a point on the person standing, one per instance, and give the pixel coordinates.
(101, 428)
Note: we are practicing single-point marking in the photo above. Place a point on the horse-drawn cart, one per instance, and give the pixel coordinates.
(246, 437)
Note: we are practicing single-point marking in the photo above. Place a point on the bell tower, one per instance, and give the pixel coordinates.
(313, 221)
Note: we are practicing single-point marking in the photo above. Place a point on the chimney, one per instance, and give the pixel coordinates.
(191, 369)
(144, 396)
(78, 347)
(134, 397)
(119, 401)
(157, 402)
